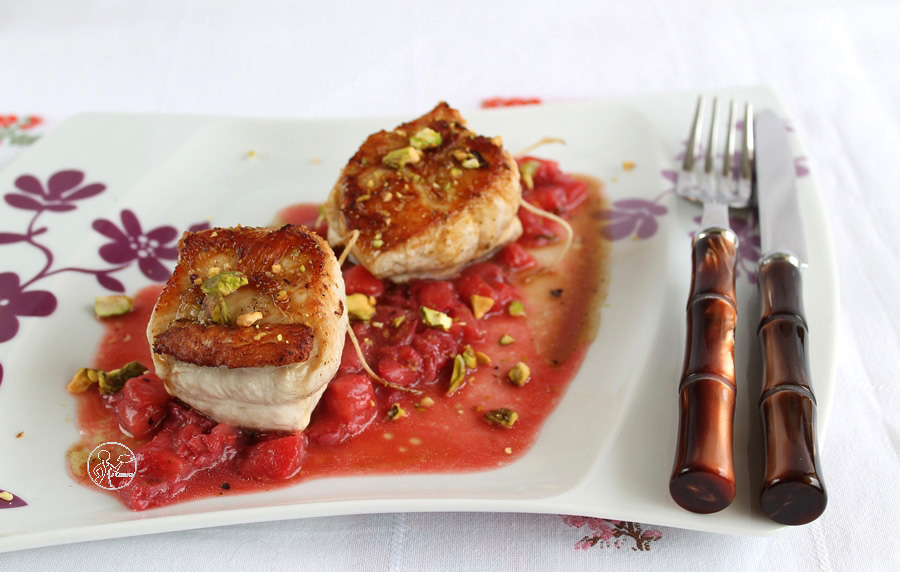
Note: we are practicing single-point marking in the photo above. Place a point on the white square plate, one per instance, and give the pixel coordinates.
(606, 451)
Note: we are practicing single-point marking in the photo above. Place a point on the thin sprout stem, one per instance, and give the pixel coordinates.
(543, 141)
(570, 233)
(368, 369)
(353, 235)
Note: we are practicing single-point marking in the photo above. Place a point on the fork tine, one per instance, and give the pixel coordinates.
(694, 141)
(728, 162)
(747, 155)
(711, 146)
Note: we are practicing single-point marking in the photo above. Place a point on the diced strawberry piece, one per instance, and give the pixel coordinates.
(275, 458)
(437, 295)
(358, 280)
(515, 257)
(400, 365)
(346, 409)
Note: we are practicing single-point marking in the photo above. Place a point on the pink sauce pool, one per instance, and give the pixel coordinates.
(182, 454)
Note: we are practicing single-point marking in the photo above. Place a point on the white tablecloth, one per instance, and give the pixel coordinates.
(835, 64)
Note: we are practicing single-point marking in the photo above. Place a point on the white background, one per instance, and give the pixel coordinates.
(836, 65)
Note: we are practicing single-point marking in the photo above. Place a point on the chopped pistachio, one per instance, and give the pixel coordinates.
(502, 417)
(427, 401)
(224, 283)
(469, 357)
(377, 243)
(360, 307)
(460, 155)
(459, 374)
(471, 163)
(527, 171)
(395, 412)
(110, 382)
(456, 172)
(216, 309)
(281, 296)
(483, 358)
(425, 138)
(436, 319)
(106, 306)
(481, 305)
(398, 320)
(506, 339)
(398, 158)
(520, 374)
(508, 450)
(516, 308)
(248, 319)
(276, 268)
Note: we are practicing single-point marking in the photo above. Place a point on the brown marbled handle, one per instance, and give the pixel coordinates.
(793, 491)
(703, 476)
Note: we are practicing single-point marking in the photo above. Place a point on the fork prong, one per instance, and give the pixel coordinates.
(711, 144)
(728, 162)
(694, 141)
(747, 155)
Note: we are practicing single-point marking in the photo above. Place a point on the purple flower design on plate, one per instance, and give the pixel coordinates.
(15, 502)
(62, 190)
(631, 217)
(132, 243)
(612, 533)
(15, 301)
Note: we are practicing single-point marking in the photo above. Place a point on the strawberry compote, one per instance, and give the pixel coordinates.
(514, 338)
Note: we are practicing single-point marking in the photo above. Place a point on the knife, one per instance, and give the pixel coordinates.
(792, 492)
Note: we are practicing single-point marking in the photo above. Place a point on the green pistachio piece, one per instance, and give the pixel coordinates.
(224, 283)
(459, 374)
(106, 306)
(527, 171)
(471, 163)
(502, 417)
(397, 158)
(436, 319)
(425, 138)
(109, 381)
(520, 374)
(396, 412)
(506, 339)
(469, 357)
(359, 306)
(377, 243)
(216, 309)
(516, 308)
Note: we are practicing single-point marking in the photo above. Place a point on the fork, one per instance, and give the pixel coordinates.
(703, 478)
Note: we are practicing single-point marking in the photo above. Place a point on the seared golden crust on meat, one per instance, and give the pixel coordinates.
(406, 210)
(274, 262)
(217, 345)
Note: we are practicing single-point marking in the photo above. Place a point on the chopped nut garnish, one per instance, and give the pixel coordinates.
(516, 308)
(248, 319)
(399, 157)
(508, 450)
(481, 305)
(436, 319)
(377, 243)
(520, 374)
(398, 320)
(427, 401)
(215, 269)
(359, 306)
(502, 417)
(527, 171)
(425, 138)
(506, 339)
(471, 163)
(7, 496)
(455, 172)
(106, 306)
(483, 358)
(276, 268)
(281, 296)
(469, 357)
(459, 374)
(109, 382)
(216, 287)
(279, 337)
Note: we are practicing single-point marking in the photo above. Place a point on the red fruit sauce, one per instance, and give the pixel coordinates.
(182, 454)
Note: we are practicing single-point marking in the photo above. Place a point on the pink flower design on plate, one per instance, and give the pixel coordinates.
(15, 302)
(132, 243)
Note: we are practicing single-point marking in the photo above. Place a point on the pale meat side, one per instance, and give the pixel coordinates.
(427, 198)
(259, 355)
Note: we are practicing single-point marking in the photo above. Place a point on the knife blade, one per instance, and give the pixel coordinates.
(793, 491)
